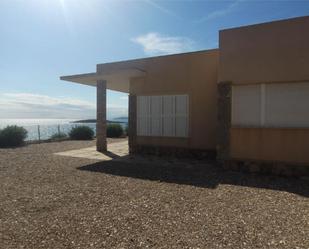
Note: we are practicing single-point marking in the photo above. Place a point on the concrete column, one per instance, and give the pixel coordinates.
(132, 123)
(101, 116)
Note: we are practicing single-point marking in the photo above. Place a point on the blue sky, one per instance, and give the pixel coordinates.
(43, 39)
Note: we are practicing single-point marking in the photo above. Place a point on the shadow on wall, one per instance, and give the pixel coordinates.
(204, 175)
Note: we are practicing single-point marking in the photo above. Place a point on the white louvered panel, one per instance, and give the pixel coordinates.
(181, 105)
(181, 127)
(181, 115)
(168, 116)
(144, 131)
(139, 115)
(246, 105)
(156, 115)
(143, 115)
(287, 105)
(162, 115)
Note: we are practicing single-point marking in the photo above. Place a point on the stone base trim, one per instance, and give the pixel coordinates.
(166, 151)
(268, 168)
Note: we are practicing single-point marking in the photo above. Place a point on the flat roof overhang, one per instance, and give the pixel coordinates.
(117, 80)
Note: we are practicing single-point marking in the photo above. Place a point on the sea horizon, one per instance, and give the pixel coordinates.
(49, 127)
(43, 121)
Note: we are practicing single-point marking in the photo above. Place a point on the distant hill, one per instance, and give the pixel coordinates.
(118, 120)
(126, 118)
(85, 121)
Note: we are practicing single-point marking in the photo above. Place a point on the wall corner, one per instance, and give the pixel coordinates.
(224, 121)
(132, 122)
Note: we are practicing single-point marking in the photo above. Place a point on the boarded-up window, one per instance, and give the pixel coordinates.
(271, 105)
(143, 115)
(246, 105)
(181, 116)
(156, 115)
(287, 105)
(162, 115)
(168, 116)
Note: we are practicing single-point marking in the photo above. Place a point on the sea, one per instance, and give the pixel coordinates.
(49, 127)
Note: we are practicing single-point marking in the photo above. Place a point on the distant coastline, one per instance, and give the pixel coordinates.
(88, 121)
(49, 127)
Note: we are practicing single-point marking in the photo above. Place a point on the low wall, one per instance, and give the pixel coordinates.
(289, 145)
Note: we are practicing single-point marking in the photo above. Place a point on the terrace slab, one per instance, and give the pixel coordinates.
(115, 150)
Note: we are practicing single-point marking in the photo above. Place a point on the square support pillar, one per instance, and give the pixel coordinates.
(101, 116)
(132, 122)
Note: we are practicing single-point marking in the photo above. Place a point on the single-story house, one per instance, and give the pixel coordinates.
(248, 100)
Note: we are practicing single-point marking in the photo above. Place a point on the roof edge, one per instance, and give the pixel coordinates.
(264, 23)
(68, 77)
(160, 56)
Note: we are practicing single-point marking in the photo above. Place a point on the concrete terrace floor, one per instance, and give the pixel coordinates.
(116, 150)
(55, 201)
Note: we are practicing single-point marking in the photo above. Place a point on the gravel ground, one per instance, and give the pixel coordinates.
(49, 201)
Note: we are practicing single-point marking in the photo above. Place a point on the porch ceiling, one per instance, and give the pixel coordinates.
(117, 80)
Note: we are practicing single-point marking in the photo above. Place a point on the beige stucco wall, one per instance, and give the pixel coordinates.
(194, 74)
(270, 52)
(270, 144)
(276, 52)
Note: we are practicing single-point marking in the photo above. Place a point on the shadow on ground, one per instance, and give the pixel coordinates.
(201, 174)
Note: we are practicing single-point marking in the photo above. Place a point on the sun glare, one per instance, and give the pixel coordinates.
(72, 11)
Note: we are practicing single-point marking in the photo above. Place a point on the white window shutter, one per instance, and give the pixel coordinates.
(246, 105)
(181, 115)
(162, 115)
(168, 116)
(287, 105)
(143, 115)
(271, 105)
(156, 115)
